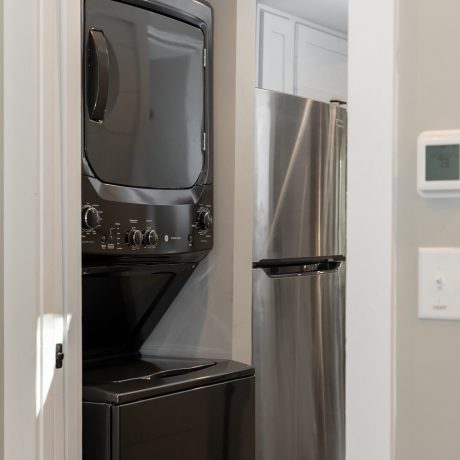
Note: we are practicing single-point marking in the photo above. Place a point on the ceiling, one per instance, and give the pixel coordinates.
(327, 13)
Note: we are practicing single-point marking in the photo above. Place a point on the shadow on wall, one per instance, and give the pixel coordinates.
(189, 322)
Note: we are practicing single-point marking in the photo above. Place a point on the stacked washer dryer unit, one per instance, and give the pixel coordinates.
(147, 206)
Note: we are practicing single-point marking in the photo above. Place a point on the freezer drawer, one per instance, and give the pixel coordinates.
(298, 353)
(300, 178)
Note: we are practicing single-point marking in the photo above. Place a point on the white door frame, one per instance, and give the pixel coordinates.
(370, 266)
(41, 212)
(71, 86)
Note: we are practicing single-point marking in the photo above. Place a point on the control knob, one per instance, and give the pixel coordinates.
(135, 238)
(89, 218)
(204, 220)
(150, 238)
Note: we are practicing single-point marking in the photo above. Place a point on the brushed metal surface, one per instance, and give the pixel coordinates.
(299, 356)
(300, 177)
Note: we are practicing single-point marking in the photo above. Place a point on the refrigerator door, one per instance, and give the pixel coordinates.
(299, 196)
(299, 356)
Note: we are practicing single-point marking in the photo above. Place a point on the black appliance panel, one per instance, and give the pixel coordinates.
(122, 305)
(206, 414)
(125, 222)
(146, 96)
(212, 423)
(97, 426)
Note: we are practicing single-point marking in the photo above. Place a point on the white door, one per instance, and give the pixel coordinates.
(41, 229)
(276, 52)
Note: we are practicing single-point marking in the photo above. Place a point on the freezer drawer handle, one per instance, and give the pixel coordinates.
(98, 75)
(316, 268)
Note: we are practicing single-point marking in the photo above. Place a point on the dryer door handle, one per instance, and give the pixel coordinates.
(98, 72)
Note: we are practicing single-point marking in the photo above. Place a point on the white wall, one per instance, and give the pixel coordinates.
(370, 231)
(211, 316)
(243, 184)
(40, 224)
(428, 362)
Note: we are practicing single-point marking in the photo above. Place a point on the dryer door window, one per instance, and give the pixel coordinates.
(144, 97)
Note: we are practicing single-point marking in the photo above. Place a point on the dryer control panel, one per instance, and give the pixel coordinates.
(114, 228)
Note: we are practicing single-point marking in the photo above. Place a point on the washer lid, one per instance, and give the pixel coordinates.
(127, 380)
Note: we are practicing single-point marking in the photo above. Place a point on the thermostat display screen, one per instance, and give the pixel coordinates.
(442, 162)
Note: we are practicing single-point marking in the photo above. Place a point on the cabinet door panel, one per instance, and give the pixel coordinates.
(276, 57)
(321, 64)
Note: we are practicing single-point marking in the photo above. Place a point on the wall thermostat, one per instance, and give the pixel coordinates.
(438, 164)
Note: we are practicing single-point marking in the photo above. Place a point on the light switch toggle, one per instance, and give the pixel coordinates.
(439, 282)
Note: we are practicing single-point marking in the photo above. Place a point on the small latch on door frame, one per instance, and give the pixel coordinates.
(59, 356)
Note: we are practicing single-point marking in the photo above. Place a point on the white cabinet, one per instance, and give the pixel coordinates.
(301, 58)
(276, 52)
(320, 64)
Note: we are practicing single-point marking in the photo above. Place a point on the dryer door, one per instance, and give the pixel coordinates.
(144, 97)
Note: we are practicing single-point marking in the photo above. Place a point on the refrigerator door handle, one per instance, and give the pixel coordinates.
(316, 268)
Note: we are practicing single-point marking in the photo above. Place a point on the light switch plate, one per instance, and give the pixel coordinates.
(439, 283)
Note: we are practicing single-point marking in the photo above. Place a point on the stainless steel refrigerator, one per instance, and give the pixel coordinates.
(299, 278)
